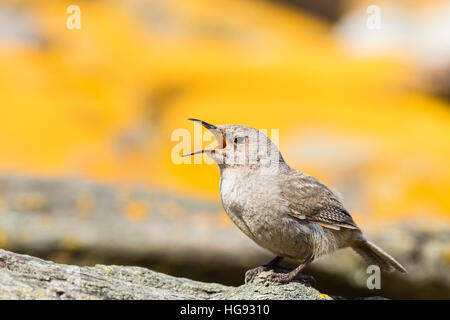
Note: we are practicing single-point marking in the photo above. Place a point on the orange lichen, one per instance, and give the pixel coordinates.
(136, 210)
(31, 201)
(447, 255)
(101, 102)
(69, 243)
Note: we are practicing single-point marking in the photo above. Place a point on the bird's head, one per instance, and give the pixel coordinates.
(241, 146)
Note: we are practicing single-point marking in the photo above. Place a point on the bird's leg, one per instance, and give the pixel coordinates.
(267, 266)
(294, 274)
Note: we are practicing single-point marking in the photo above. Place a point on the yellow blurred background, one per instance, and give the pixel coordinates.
(100, 103)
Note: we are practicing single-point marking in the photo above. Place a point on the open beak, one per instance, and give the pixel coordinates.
(217, 134)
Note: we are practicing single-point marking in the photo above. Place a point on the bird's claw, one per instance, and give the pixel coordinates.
(252, 272)
(280, 278)
(284, 278)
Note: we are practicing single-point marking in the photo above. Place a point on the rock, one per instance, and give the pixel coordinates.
(423, 252)
(84, 223)
(26, 277)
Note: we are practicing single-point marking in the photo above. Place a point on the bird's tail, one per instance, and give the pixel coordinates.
(377, 256)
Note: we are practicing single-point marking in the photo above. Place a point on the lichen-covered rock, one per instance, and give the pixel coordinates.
(82, 223)
(26, 277)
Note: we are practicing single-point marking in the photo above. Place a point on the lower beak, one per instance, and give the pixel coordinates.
(217, 134)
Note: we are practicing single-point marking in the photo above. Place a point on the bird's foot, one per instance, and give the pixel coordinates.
(265, 267)
(288, 277)
(252, 272)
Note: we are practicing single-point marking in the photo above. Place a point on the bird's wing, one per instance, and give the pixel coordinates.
(311, 200)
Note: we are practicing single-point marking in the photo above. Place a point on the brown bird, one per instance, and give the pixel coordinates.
(283, 210)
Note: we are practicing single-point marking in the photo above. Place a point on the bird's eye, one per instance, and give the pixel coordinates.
(238, 140)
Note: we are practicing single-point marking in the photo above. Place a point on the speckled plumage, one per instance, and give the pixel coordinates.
(284, 210)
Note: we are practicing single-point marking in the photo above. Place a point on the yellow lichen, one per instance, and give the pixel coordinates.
(103, 102)
(136, 210)
(32, 201)
(70, 243)
(324, 296)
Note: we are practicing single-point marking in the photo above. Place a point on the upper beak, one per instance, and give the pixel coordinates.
(205, 124)
(215, 131)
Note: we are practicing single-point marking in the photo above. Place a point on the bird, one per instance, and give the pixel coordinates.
(283, 210)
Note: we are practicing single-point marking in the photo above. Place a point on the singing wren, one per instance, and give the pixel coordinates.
(285, 211)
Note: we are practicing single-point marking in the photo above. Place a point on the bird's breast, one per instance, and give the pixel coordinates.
(256, 206)
(248, 195)
(251, 202)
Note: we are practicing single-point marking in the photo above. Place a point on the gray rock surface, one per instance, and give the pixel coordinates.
(26, 277)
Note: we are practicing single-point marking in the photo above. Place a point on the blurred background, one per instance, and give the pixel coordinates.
(87, 116)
